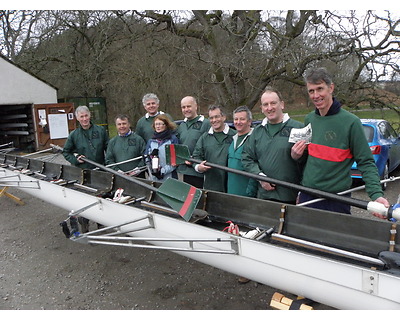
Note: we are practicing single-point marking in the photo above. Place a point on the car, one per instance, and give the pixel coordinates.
(384, 143)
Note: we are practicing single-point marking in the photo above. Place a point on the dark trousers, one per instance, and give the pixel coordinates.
(197, 182)
(329, 205)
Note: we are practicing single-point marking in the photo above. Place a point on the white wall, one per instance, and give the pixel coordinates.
(19, 87)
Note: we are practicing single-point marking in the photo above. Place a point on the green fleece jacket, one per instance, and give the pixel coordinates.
(121, 148)
(238, 184)
(337, 141)
(268, 151)
(214, 150)
(92, 143)
(188, 133)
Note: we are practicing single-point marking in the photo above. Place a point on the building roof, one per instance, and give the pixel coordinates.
(27, 71)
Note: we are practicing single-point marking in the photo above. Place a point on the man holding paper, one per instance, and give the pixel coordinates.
(338, 140)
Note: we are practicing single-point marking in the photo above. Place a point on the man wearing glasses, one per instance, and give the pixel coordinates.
(213, 147)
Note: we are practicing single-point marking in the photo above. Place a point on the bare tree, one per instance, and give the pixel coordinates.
(219, 56)
(247, 50)
(17, 30)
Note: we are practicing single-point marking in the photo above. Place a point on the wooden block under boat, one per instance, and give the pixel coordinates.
(280, 302)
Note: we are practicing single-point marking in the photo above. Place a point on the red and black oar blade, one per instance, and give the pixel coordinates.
(176, 154)
(181, 196)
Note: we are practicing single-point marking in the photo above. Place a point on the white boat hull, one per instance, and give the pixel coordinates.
(338, 284)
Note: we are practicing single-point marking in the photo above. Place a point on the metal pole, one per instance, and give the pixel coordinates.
(31, 154)
(125, 161)
(346, 191)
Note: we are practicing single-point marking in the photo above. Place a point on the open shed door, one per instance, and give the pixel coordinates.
(53, 123)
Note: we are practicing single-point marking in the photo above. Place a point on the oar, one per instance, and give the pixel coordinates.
(6, 144)
(37, 152)
(139, 170)
(347, 191)
(182, 197)
(125, 161)
(178, 154)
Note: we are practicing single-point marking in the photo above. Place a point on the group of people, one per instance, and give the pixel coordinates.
(337, 140)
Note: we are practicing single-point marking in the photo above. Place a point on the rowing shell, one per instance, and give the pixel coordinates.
(352, 278)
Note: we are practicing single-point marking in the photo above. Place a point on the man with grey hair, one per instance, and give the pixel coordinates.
(337, 141)
(88, 140)
(242, 119)
(144, 126)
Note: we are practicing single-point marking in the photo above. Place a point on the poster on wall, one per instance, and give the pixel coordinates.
(42, 117)
(58, 124)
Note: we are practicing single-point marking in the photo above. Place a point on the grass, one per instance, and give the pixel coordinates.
(112, 130)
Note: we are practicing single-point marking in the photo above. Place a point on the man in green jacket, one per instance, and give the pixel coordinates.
(126, 145)
(188, 133)
(88, 140)
(144, 126)
(337, 141)
(238, 184)
(268, 150)
(213, 147)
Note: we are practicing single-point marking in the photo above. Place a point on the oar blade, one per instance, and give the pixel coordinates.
(181, 196)
(176, 154)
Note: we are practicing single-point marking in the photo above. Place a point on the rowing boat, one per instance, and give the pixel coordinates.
(343, 261)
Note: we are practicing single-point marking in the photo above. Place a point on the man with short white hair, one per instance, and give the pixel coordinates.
(238, 184)
(88, 140)
(144, 126)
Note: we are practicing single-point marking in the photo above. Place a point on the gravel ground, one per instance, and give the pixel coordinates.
(42, 270)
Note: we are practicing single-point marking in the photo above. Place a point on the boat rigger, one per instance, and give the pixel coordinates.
(343, 261)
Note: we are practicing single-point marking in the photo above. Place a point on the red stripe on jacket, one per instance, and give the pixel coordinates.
(329, 153)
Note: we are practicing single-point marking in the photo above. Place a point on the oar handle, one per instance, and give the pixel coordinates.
(393, 212)
(371, 206)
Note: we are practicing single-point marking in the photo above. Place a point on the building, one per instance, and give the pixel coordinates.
(30, 116)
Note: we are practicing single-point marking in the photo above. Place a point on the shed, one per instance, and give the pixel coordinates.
(26, 102)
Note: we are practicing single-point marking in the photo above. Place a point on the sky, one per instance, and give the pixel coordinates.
(204, 4)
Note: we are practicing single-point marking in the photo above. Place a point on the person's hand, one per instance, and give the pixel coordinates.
(267, 186)
(298, 149)
(134, 172)
(79, 158)
(385, 203)
(202, 167)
